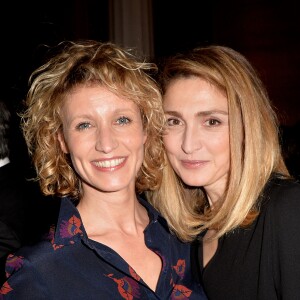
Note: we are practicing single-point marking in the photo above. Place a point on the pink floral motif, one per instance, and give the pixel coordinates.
(13, 263)
(127, 287)
(5, 289)
(70, 228)
(180, 268)
(180, 292)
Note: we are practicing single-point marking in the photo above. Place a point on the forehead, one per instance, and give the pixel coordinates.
(97, 95)
(192, 92)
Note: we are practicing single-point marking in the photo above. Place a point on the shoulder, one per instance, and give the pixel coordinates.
(280, 217)
(34, 257)
(281, 203)
(152, 212)
(282, 193)
(31, 252)
(28, 267)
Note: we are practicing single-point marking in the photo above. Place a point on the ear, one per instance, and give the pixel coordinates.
(145, 137)
(62, 142)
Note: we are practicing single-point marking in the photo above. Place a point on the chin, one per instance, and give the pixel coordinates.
(193, 182)
(193, 179)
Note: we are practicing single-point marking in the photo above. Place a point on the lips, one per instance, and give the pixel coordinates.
(193, 164)
(109, 164)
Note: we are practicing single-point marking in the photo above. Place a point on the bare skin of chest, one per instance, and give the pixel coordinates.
(133, 250)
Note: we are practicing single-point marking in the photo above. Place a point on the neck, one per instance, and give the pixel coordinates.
(111, 213)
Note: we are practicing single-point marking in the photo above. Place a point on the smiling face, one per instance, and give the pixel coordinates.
(105, 138)
(197, 133)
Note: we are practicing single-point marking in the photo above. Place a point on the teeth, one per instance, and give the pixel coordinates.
(109, 163)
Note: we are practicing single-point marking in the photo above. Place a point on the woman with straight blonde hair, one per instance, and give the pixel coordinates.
(226, 186)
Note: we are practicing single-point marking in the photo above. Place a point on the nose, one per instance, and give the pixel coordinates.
(106, 140)
(191, 140)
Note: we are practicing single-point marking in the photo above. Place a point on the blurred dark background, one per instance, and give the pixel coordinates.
(267, 32)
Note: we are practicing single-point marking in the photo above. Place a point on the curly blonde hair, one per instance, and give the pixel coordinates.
(81, 63)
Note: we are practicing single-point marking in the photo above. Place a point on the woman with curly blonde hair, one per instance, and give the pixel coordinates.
(226, 185)
(92, 124)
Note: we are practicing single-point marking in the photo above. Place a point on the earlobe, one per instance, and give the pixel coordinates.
(62, 142)
(145, 138)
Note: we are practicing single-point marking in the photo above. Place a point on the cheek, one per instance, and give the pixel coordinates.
(224, 144)
(80, 148)
(172, 143)
(167, 143)
(220, 146)
(135, 144)
(135, 140)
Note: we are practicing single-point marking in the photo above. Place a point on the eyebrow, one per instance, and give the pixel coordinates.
(89, 115)
(201, 113)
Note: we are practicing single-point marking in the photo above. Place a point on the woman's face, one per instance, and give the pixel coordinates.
(197, 133)
(105, 138)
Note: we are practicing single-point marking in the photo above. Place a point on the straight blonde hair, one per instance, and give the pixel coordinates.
(255, 151)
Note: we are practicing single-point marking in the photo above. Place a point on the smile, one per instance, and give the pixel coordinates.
(109, 163)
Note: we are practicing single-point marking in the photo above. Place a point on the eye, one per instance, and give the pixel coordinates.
(212, 122)
(83, 126)
(123, 120)
(173, 122)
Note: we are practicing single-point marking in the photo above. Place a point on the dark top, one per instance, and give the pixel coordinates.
(263, 261)
(68, 265)
(11, 214)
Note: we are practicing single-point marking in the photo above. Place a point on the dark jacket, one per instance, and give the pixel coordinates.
(262, 261)
(11, 214)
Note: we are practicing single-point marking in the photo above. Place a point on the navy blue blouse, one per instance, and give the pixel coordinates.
(68, 265)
